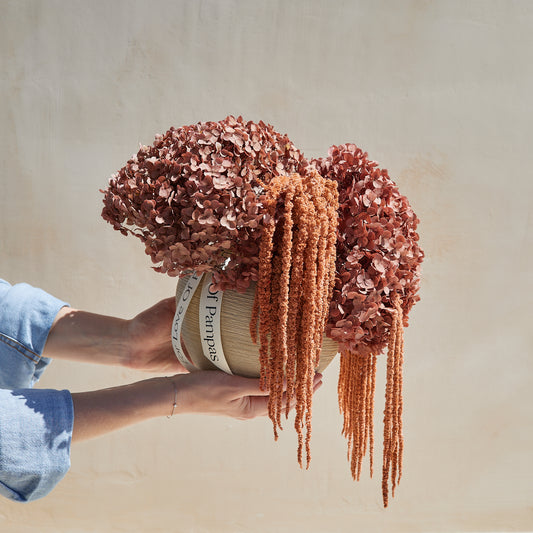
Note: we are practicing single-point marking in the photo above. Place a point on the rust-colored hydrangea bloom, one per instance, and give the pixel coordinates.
(194, 197)
(377, 250)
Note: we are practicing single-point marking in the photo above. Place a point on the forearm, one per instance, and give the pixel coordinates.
(88, 337)
(141, 343)
(103, 411)
(209, 392)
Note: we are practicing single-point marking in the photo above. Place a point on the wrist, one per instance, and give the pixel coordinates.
(103, 411)
(111, 343)
(129, 348)
(186, 394)
(175, 400)
(154, 397)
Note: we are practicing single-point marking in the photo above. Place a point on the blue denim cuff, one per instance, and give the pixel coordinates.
(35, 436)
(26, 316)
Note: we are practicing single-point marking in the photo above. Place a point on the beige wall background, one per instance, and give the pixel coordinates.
(439, 92)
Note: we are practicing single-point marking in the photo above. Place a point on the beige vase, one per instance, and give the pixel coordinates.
(241, 354)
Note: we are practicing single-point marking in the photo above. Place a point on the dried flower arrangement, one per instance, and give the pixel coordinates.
(331, 243)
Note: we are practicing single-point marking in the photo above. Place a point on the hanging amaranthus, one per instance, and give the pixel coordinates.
(377, 278)
(296, 276)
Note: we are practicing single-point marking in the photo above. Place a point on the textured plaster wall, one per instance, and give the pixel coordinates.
(437, 92)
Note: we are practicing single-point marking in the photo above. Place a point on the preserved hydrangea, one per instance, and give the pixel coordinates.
(377, 251)
(195, 197)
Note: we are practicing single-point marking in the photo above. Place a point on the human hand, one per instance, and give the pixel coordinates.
(149, 339)
(216, 393)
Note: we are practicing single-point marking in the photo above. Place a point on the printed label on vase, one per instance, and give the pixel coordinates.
(182, 305)
(209, 317)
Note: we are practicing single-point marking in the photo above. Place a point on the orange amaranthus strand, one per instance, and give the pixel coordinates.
(296, 277)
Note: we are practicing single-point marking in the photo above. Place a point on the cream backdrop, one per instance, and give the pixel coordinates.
(437, 92)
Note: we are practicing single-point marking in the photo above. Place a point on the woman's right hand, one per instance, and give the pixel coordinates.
(215, 393)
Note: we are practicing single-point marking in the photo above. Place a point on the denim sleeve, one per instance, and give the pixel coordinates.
(35, 436)
(35, 424)
(26, 316)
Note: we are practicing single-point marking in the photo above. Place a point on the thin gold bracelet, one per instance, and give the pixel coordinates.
(175, 397)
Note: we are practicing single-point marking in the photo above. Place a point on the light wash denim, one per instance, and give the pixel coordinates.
(35, 424)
